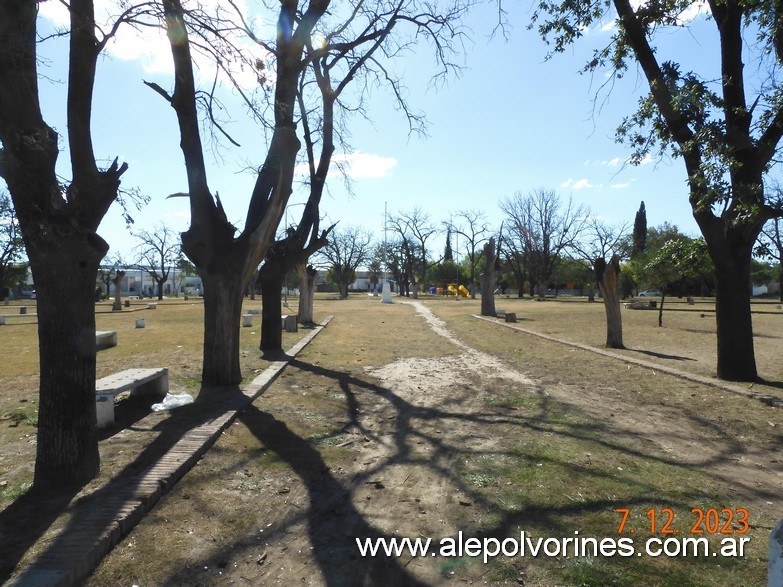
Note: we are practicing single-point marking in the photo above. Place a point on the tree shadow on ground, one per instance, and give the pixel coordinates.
(26, 520)
(334, 522)
(660, 355)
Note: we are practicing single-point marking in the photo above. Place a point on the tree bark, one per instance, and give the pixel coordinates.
(306, 289)
(67, 444)
(606, 275)
(736, 355)
(489, 279)
(271, 283)
(223, 296)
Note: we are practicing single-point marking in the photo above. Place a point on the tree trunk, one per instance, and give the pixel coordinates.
(736, 357)
(67, 443)
(160, 289)
(489, 279)
(415, 291)
(271, 278)
(306, 289)
(223, 298)
(606, 274)
(780, 280)
(660, 309)
(344, 289)
(118, 290)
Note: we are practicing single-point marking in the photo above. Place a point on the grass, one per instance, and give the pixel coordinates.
(329, 441)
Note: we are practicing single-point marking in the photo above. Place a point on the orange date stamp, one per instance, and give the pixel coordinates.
(702, 521)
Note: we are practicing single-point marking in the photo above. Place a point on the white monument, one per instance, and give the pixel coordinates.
(386, 299)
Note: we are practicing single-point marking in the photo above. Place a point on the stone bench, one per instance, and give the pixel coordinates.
(137, 381)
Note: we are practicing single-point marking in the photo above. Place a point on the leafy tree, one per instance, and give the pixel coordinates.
(11, 246)
(677, 259)
(59, 221)
(727, 132)
(448, 253)
(639, 232)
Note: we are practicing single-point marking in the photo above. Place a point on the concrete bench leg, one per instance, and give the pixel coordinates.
(158, 386)
(104, 410)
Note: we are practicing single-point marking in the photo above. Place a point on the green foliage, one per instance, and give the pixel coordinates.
(677, 260)
(639, 232)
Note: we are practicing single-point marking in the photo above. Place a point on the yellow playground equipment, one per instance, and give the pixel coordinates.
(460, 290)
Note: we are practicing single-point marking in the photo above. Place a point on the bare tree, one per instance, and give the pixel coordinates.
(227, 260)
(770, 245)
(11, 244)
(348, 248)
(599, 240)
(413, 230)
(472, 226)
(158, 252)
(544, 228)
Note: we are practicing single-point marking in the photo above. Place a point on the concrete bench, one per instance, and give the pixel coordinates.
(137, 381)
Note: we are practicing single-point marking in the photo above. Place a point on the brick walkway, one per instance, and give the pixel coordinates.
(115, 509)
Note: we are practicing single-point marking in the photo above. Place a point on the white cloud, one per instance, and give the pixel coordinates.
(619, 186)
(358, 165)
(149, 46)
(579, 184)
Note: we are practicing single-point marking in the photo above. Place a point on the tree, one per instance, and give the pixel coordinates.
(489, 278)
(413, 230)
(606, 274)
(770, 246)
(726, 140)
(304, 35)
(348, 248)
(448, 253)
(158, 253)
(639, 232)
(677, 259)
(544, 229)
(59, 223)
(11, 246)
(599, 240)
(472, 226)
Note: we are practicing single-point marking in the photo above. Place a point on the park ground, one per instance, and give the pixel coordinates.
(418, 420)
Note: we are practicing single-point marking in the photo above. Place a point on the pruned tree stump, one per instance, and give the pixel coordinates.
(511, 316)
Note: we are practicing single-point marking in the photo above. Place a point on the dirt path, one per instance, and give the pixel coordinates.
(402, 466)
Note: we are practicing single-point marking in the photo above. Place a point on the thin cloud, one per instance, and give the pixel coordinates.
(579, 184)
(619, 186)
(358, 165)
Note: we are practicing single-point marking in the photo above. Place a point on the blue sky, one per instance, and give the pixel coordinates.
(513, 121)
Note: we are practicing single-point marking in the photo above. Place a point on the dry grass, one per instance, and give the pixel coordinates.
(278, 498)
